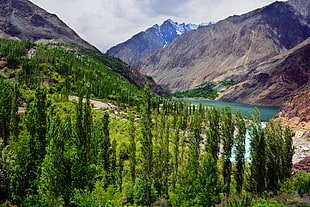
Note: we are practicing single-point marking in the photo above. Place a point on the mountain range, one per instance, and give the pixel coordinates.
(149, 41)
(265, 52)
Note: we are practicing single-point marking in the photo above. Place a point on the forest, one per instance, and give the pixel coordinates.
(149, 151)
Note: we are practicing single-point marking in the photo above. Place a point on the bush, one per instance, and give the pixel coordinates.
(267, 203)
(303, 183)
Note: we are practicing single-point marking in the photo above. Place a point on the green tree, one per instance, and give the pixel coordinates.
(52, 179)
(258, 154)
(106, 150)
(5, 110)
(228, 128)
(146, 148)
(132, 149)
(213, 133)
(240, 151)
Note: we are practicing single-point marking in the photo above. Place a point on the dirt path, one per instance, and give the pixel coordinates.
(95, 103)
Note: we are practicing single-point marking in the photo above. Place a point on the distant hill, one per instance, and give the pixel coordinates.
(149, 41)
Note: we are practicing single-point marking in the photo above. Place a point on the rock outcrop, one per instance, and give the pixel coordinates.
(295, 112)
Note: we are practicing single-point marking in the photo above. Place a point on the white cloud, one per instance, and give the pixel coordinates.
(106, 23)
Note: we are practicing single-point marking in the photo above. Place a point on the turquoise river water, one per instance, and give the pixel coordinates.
(266, 112)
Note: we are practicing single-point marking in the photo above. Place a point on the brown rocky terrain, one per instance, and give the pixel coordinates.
(296, 111)
(274, 80)
(22, 19)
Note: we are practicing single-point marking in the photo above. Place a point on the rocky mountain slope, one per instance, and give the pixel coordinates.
(149, 41)
(24, 20)
(231, 49)
(274, 80)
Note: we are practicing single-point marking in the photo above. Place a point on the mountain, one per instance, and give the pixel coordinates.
(21, 19)
(274, 80)
(231, 49)
(147, 42)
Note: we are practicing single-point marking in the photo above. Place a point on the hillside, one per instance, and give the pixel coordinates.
(23, 20)
(76, 129)
(228, 50)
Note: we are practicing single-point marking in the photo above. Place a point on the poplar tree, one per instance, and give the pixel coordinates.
(227, 127)
(52, 179)
(213, 133)
(147, 147)
(15, 119)
(106, 144)
(5, 110)
(240, 151)
(132, 149)
(258, 154)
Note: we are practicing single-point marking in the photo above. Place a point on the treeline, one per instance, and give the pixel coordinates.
(167, 151)
(206, 90)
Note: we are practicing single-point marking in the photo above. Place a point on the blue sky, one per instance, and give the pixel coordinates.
(105, 23)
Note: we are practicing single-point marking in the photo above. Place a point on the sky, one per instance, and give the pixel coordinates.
(106, 23)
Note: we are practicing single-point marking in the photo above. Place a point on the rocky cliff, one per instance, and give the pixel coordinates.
(296, 111)
(21, 19)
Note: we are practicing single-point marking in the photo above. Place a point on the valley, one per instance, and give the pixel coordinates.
(79, 127)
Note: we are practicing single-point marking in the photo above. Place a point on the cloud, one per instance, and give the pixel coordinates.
(106, 23)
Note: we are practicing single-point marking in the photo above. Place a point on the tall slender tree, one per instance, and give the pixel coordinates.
(147, 147)
(227, 127)
(240, 151)
(52, 179)
(213, 133)
(258, 153)
(132, 149)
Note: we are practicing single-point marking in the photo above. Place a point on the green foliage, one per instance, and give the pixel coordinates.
(201, 189)
(206, 90)
(203, 91)
(245, 201)
(83, 198)
(240, 151)
(109, 196)
(303, 183)
(258, 154)
(228, 128)
(267, 203)
(6, 171)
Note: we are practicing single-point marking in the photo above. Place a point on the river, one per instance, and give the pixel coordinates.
(266, 112)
